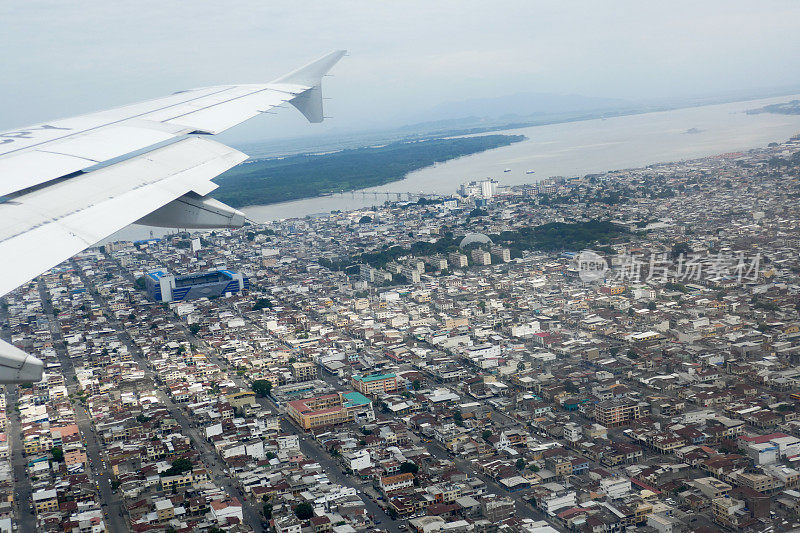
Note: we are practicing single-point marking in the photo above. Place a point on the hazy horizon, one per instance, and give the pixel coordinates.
(402, 66)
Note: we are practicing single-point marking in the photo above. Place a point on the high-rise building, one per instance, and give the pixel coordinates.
(502, 255)
(612, 413)
(481, 257)
(457, 260)
(304, 371)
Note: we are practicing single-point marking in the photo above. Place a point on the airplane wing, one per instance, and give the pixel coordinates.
(67, 184)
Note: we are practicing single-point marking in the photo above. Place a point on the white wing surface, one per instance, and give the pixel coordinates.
(61, 190)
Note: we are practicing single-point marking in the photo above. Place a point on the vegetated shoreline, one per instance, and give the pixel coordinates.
(475, 125)
(301, 176)
(784, 108)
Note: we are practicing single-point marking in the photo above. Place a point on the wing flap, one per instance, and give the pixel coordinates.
(99, 146)
(52, 224)
(53, 160)
(32, 168)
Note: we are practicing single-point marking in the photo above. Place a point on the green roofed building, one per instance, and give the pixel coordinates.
(354, 399)
(331, 409)
(374, 384)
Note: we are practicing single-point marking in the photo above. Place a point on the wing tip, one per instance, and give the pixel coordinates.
(311, 74)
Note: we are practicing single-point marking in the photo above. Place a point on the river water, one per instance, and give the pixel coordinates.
(569, 149)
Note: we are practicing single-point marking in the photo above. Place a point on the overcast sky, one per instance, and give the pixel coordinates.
(62, 58)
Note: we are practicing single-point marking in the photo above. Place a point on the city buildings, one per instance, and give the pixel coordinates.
(484, 396)
(330, 410)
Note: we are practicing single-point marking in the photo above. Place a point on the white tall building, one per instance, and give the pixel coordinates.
(557, 501)
(359, 460)
(488, 188)
(615, 487)
(572, 432)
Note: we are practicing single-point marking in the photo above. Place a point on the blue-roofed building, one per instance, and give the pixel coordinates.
(165, 287)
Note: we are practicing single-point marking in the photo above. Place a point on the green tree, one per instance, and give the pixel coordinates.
(262, 387)
(520, 464)
(417, 384)
(304, 511)
(680, 248)
(486, 434)
(570, 387)
(179, 466)
(409, 468)
(58, 454)
(267, 509)
(262, 303)
(680, 287)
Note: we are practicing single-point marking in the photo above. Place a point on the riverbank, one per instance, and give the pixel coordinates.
(268, 181)
(572, 149)
(576, 149)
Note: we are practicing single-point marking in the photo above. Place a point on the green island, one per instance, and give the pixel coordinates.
(268, 181)
(784, 108)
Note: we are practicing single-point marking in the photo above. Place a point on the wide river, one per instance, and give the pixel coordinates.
(569, 149)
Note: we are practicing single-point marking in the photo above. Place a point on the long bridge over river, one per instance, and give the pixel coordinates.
(391, 195)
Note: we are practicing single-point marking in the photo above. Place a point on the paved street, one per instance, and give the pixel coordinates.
(524, 509)
(22, 483)
(112, 508)
(112, 504)
(250, 511)
(313, 450)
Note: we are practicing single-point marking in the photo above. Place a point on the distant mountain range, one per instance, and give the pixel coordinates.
(525, 109)
(480, 115)
(525, 105)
